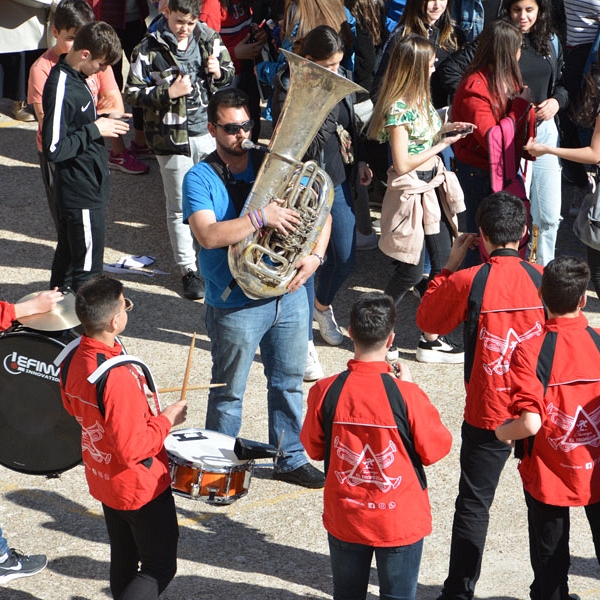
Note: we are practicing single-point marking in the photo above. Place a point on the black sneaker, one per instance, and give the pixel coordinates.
(439, 351)
(306, 475)
(20, 565)
(421, 287)
(193, 285)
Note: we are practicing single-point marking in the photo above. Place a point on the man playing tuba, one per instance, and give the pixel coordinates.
(214, 193)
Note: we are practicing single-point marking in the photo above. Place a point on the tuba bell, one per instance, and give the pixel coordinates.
(263, 264)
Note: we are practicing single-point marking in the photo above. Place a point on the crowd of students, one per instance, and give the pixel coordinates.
(439, 80)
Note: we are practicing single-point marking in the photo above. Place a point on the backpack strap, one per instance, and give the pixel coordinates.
(237, 189)
(100, 376)
(398, 407)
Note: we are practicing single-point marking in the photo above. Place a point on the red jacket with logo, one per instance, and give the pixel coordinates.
(511, 311)
(561, 469)
(372, 493)
(125, 461)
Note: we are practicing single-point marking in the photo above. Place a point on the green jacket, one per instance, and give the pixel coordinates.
(153, 69)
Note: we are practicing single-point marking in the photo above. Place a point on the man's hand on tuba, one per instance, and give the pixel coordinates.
(285, 220)
(308, 264)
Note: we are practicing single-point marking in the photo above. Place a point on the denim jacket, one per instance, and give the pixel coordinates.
(468, 15)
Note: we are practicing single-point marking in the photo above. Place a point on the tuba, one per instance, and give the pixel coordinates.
(263, 264)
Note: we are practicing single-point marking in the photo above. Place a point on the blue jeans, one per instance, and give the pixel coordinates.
(545, 193)
(3, 544)
(476, 185)
(278, 327)
(397, 568)
(341, 252)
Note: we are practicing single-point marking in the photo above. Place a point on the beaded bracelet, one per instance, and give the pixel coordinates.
(321, 258)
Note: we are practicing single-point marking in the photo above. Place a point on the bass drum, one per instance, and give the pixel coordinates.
(37, 435)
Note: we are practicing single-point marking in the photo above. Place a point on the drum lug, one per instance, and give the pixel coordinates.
(194, 490)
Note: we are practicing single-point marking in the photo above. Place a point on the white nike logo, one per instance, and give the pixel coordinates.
(84, 108)
(16, 567)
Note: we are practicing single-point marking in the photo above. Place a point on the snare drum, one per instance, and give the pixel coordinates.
(204, 466)
(37, 435)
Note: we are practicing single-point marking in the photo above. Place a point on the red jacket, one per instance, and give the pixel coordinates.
(472, 104)
(7, 315)
(372, 493)
(561, 469)
(511, 311)
(126, 464)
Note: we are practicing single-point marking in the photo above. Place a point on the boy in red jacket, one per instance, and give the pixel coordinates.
(126, 464)
(375, 433)
(555, 392)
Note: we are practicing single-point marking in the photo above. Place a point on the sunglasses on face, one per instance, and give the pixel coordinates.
(234, 128)
(128, 306)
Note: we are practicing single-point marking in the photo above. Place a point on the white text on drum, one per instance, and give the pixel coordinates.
(17, 364)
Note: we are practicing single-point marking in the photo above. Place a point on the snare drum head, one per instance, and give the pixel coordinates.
(207, 449)
(37, 435)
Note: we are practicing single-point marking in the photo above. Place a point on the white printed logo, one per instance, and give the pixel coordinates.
(505, 346)
(580, 430)
(367, 467)
(18, 364)
(84, 108)
(92, 434)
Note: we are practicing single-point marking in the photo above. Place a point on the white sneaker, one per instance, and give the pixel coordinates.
(313, 369)
(366, 241)
(392, 355)
(328, 327)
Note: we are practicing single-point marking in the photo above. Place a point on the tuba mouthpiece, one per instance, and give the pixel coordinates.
(250, 145)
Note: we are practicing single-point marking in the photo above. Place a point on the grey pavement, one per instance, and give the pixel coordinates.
(271, 543)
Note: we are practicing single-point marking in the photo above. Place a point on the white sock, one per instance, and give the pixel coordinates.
(4, 557)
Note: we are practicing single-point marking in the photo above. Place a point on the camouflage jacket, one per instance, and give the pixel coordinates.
(153, 69)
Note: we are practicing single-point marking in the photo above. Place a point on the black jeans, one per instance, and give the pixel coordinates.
(575, 59)
(148, 536)
(482, 458)
(549, 546)
(438, 247)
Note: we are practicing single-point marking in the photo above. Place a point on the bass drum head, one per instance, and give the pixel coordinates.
(37, 435)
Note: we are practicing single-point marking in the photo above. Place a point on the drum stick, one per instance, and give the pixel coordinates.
(191, 388)
(188, 367)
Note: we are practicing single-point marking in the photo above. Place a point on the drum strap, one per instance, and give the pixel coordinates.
(100, 376)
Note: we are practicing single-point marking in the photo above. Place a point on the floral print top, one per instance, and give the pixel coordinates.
(420, 130)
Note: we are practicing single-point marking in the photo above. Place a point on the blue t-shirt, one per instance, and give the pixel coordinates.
(203, 189)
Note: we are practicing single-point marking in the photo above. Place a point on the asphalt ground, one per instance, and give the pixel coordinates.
(269, 544)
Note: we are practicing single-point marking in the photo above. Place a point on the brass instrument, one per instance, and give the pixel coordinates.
(263, 264)
(535, 232)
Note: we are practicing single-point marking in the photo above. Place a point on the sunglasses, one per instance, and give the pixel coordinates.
(234, 128)
(128, 306)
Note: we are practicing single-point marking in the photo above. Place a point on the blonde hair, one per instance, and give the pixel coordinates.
(406, 78)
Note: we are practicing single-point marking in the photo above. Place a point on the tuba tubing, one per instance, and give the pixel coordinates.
(263, 264)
